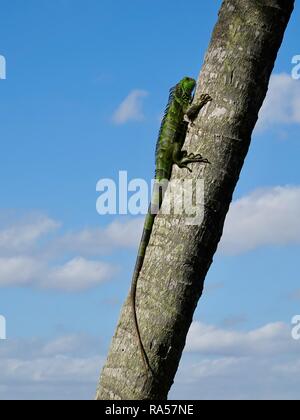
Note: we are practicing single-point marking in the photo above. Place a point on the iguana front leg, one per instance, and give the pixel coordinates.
(193, 112)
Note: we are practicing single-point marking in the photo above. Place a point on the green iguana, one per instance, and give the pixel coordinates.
(179, 113)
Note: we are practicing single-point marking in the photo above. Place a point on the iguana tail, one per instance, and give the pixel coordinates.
(155, 205)
(138, 267)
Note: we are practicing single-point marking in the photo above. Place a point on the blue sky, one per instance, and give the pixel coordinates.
(87, 83)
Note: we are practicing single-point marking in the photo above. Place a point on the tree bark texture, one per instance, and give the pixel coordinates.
(236, 74)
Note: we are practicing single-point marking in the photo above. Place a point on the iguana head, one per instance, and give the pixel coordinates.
(187, 85)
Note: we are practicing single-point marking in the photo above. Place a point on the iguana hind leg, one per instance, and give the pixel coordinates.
(196, 159)
(193, 156)
(182, 159)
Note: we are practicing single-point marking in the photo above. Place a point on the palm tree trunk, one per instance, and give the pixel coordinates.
(236, 75)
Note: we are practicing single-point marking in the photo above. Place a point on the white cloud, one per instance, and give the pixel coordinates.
(23, 234)
(238, 378)
(69, 345)
(18, 271)
(66, 367)
(257, 364)
(282, 104)
(125, 235)
(27, 261)
(265, 217)
(96, 241)
(228, 364)
(75, 275)
(131, 109)
(78, 274)
(56, 369)
(269, 340)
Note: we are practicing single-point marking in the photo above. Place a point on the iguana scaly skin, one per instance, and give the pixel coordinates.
(179, 113)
